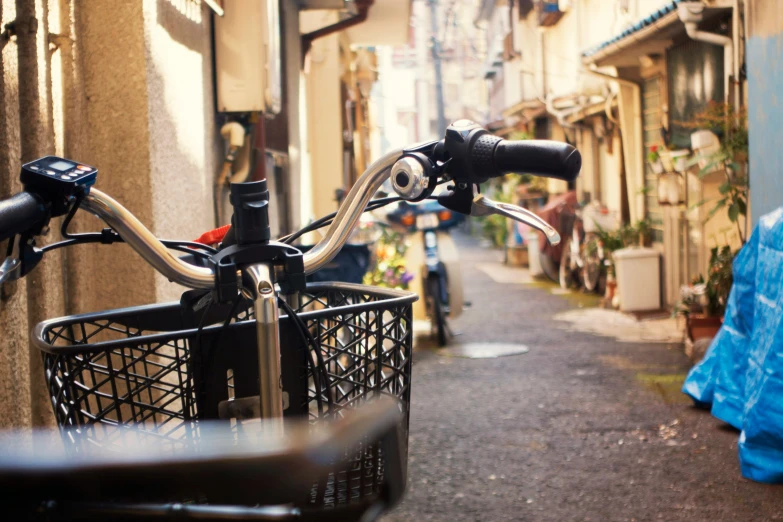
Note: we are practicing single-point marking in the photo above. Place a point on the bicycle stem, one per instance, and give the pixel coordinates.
(259, 280)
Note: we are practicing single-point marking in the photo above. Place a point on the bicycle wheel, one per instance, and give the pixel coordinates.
(567, 275)
(593, 271)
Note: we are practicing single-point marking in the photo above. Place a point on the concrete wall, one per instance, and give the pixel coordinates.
(324, 115)
(765, 104)
(22, 402)
(132, 98)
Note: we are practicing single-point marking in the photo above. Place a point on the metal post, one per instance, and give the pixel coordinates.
(268, 339)
(436, 59)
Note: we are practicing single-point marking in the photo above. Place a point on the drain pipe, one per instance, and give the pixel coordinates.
(561, 115)
(362, 10)
(691, 13)
(234, 134)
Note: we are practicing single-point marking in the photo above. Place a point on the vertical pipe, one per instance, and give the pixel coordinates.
(436, 59)
(735, 25)
(31, 114)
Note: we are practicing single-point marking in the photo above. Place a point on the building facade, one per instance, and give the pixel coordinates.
(617, 78)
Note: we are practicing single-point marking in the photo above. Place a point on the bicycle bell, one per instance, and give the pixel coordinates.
(412, 177)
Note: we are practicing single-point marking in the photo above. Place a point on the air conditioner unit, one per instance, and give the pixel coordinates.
(248, 67)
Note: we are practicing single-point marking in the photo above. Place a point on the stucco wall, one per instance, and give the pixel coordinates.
(129, 91)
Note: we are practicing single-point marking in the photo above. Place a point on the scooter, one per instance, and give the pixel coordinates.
(429, 218)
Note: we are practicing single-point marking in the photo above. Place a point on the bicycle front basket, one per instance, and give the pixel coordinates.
(153, 368)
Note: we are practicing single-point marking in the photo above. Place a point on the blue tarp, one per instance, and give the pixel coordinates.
(741, 375)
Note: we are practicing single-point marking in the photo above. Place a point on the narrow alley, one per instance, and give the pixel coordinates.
(580, 428)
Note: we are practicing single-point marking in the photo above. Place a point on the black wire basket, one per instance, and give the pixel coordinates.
(160, 369)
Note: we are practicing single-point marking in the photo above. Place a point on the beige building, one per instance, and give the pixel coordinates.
(128, 87)
(614, 78)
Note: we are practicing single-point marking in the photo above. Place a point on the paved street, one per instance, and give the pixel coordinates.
(580, 428)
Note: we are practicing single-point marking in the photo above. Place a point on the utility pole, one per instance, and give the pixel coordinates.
(436, 60)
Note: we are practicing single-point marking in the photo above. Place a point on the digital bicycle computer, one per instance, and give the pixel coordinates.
(58, 180)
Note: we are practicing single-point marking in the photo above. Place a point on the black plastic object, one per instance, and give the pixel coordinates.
(476, 155)
(553, 159)
(22, 213)
(250, 223)
(171, 374)
(226, 262)
(58, 181)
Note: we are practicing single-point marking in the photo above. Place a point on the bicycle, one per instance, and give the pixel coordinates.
(584, 260)
(162, 371)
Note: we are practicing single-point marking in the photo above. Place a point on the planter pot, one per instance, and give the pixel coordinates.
(666, 160)
(656, 166)
(680, 159)
(611, 288)
(703, 327)
(517, 255)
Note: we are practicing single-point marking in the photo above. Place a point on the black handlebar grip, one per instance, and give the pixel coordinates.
(20, 213)
(553, 159)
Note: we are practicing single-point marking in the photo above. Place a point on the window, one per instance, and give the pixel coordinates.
(695, 71)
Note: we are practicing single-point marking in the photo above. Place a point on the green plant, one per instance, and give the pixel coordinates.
(729, 123)
(731, 126)
(638, 234)
(652, 154)
(389, 269)
(710, 295)
(495, 227)
(643, 232)
(719, 279)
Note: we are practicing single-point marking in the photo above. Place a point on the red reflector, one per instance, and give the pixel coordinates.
(213, 237)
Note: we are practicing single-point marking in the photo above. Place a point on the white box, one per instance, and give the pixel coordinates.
(638, 278)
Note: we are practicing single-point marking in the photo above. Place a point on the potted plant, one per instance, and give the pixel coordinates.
(704, 301)
(730, 125)
(674, 160)
(654, 159)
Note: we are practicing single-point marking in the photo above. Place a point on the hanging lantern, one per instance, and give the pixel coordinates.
(670, 188)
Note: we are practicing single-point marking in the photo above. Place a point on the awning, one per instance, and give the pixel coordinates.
(526, 110)
(500, 128)
(650, 35)
(388, 23)
(592, 109)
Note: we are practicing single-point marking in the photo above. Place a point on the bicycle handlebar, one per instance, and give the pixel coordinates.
(159, 257)
(145, 243)
(552, 159)
(21, 212)
(349, 212)
(466, 163)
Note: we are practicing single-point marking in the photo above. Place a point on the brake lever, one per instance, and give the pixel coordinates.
(483, 206)
(11, 269)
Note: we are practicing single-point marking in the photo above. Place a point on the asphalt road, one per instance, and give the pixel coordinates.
(580, 428)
